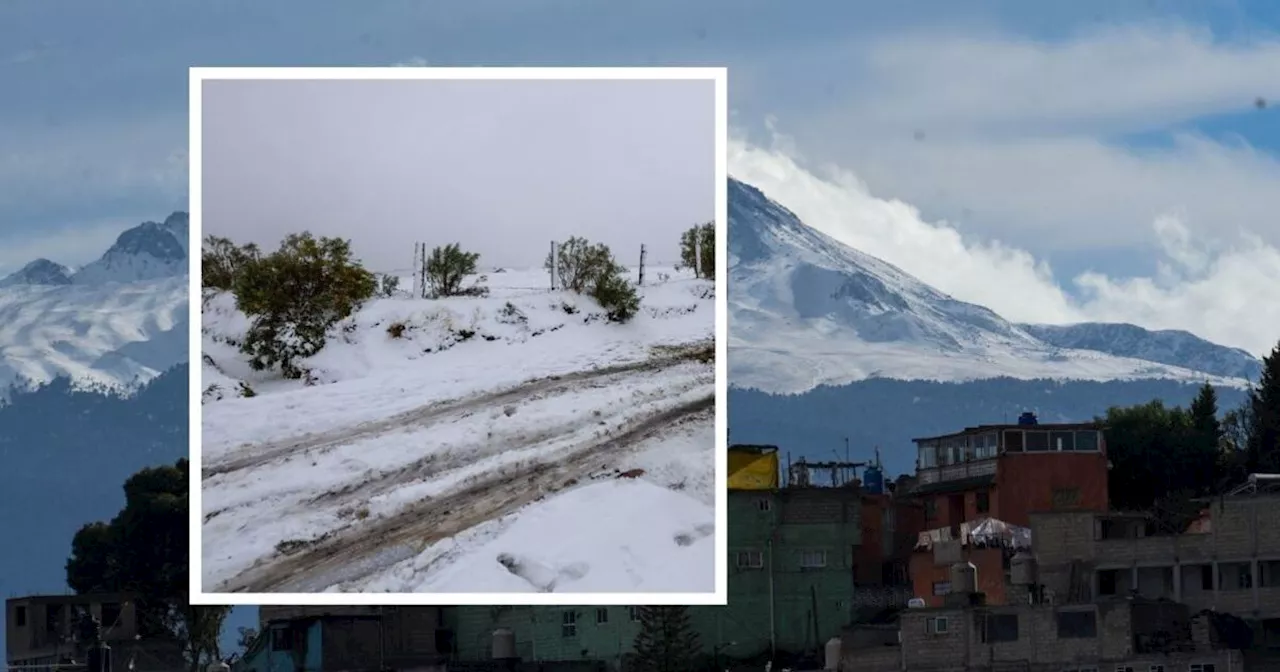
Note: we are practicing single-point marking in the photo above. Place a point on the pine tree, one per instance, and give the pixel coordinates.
(1264, 429)
(666, 642)
(1205, 452)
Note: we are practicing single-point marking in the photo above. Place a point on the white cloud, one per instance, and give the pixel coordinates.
(1018, 139)
(1226, 289)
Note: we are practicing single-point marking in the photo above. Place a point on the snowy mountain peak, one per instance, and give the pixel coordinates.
(148, 251)
(808, 310)
(39, 272)
(779, 264)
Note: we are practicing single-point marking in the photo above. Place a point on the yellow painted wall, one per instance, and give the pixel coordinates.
(753, 471)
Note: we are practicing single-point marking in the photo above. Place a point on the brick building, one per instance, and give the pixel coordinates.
(996, 476)
(1118, 634)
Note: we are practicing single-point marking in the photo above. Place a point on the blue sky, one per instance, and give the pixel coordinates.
(1106, 151)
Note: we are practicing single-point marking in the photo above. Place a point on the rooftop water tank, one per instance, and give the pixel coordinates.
(832, 658)
(1028, 418)
(504, 644)
(1022, 569)
(964, 578)
(873, 480)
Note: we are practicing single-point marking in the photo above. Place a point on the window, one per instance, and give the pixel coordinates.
(813, 559)
(1062, 441)
(982, 501)
(634, 614)
(1235, 576)
(1037, 442)
(986, 446)
(1124, 668)
(1087, 440)
(20, 616)
(941, 587)
(750, 560)
(1157, 668)
(764, 504)
(602, 615)
(1202, 667)
(999, 628)
(569, 624)
(1077, 625)
(280, 639)
(928, 455)
(1013, 440)
(936, 625)
(930, 509)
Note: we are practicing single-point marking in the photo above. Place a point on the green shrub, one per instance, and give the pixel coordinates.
(294, 295)
(705, 235)
(221, 260)
(447, 267)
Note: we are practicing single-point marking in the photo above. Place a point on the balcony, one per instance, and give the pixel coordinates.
(957, 472)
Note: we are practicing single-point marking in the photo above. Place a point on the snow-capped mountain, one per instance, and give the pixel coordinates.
(807, 310)
(39, 272)
(1167, 346)
(146, 252)
(117, 322)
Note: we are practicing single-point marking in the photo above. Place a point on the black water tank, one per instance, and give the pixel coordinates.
(1027, 418)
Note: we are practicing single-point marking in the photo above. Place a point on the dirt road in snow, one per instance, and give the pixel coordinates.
(356, 548)
(247, 457)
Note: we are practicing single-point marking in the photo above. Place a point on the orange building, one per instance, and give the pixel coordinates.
(980, 486)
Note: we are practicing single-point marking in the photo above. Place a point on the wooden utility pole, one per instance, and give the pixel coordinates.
(697, 253)
(554, 260)
(642, 251)
(422, 271)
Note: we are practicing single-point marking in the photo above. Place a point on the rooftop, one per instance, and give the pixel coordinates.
(983, 429)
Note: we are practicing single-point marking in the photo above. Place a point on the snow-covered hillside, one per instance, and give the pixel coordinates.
(117, 322)
(441, 442)
(806, 310)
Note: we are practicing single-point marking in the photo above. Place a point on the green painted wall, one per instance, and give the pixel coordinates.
(803, 524)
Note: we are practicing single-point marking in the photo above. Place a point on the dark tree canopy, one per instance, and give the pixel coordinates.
(143, 551)
(1264, 417)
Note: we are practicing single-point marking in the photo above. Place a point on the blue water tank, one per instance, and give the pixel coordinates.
(1028, 418)
(873, 480)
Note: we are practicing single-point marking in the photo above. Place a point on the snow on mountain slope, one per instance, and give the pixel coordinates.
(116, 322)
(39, 272)
(1178, 348)
(148, 251)
(94, 334)
(807, 310)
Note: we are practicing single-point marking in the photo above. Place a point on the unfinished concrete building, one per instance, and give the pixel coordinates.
(1227, 560)
(1124, 635)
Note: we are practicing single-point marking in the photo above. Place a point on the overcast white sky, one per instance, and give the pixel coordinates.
(501, 167)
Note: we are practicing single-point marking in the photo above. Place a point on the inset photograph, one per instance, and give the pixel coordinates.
(458, 333)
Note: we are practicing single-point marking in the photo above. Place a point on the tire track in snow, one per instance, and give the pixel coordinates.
(439, 463)
(253, 456)
(359, 551)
